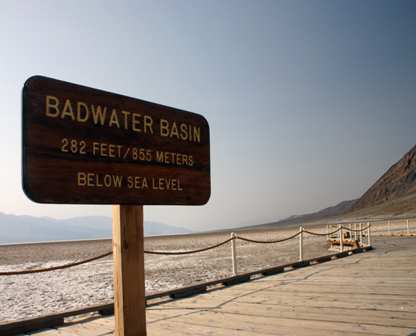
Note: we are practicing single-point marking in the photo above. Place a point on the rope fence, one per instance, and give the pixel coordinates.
(189, 252)
(232, 239)
(266, 241)
(321, 234)
(54, 268)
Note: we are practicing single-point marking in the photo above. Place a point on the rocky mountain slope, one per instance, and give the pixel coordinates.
(394, 194)
(398, 182)
(330, 212)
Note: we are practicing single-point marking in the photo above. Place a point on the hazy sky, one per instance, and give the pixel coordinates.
(309, 102)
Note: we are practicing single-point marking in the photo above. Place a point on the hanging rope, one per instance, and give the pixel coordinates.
(358, 230)
(189, 252)
(321, 234)
(267, 241)
(54, 268)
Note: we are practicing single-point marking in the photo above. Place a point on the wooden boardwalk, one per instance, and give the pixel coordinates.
(372, 293)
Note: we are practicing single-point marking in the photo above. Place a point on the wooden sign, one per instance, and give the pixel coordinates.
(87, 146)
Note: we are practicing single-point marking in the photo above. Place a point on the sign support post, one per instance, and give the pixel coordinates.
(129, 289)
(82, 145)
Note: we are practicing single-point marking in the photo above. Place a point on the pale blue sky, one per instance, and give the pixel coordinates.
(309, 102)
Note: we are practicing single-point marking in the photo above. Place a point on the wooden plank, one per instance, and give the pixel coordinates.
(329, 303)
(266, 324)
(129, 290)
(323, 314)
(34, 324)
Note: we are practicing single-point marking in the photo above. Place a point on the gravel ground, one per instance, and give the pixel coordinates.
(26, 296)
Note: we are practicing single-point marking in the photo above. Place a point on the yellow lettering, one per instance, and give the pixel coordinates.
(80, 117)
(184, 132)
(98, 114)
(81, 179)
(136, 122)
(112, 150)
(117, 180)
(164, 127)
(90, 180)
(137, 182)
(95, 148)
(114, 119)
(126, 119)
(197, 134)
(159, 156)
(52, 103)
(67, 110)
(148, 124)
(174, 131)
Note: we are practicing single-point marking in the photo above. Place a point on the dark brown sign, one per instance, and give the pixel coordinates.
(87, 146)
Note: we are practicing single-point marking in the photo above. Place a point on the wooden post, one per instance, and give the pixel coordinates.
(407, 226)
(369, 234)
(327, 231)
(233, 253)
(300, 243)
(355, 231)
(341, 242)
(360, 226)
(388, 227)
(128, 252)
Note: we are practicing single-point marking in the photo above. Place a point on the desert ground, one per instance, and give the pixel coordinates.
(26, 296)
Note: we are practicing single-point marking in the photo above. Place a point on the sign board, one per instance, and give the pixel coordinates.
(87, 146)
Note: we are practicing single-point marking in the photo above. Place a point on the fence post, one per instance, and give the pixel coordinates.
(327, 231)
(233, 253)
(355, 231)
(388, 227)
(341, 243)
(361, 233)
(369, 234)
(407, 226)
(300, 243)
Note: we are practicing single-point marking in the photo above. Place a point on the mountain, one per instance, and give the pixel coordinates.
(17, 229)
(330, 212)
(393, 194)
(399, 182)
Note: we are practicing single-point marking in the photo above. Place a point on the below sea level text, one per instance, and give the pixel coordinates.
(94, 180)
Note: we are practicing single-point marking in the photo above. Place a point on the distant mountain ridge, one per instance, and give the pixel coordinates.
(336, 210)
(399, 181)
(18, 229)
(393, 194)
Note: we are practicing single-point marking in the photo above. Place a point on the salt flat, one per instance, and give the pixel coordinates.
(373, 293)
(32, 295)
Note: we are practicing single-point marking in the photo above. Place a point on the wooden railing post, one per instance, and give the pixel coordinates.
(369, 234)
(300, 243)
(341, 242)
(360, 226)
(388, 227)
(233, 253)
(407, 226)
(355, 231)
